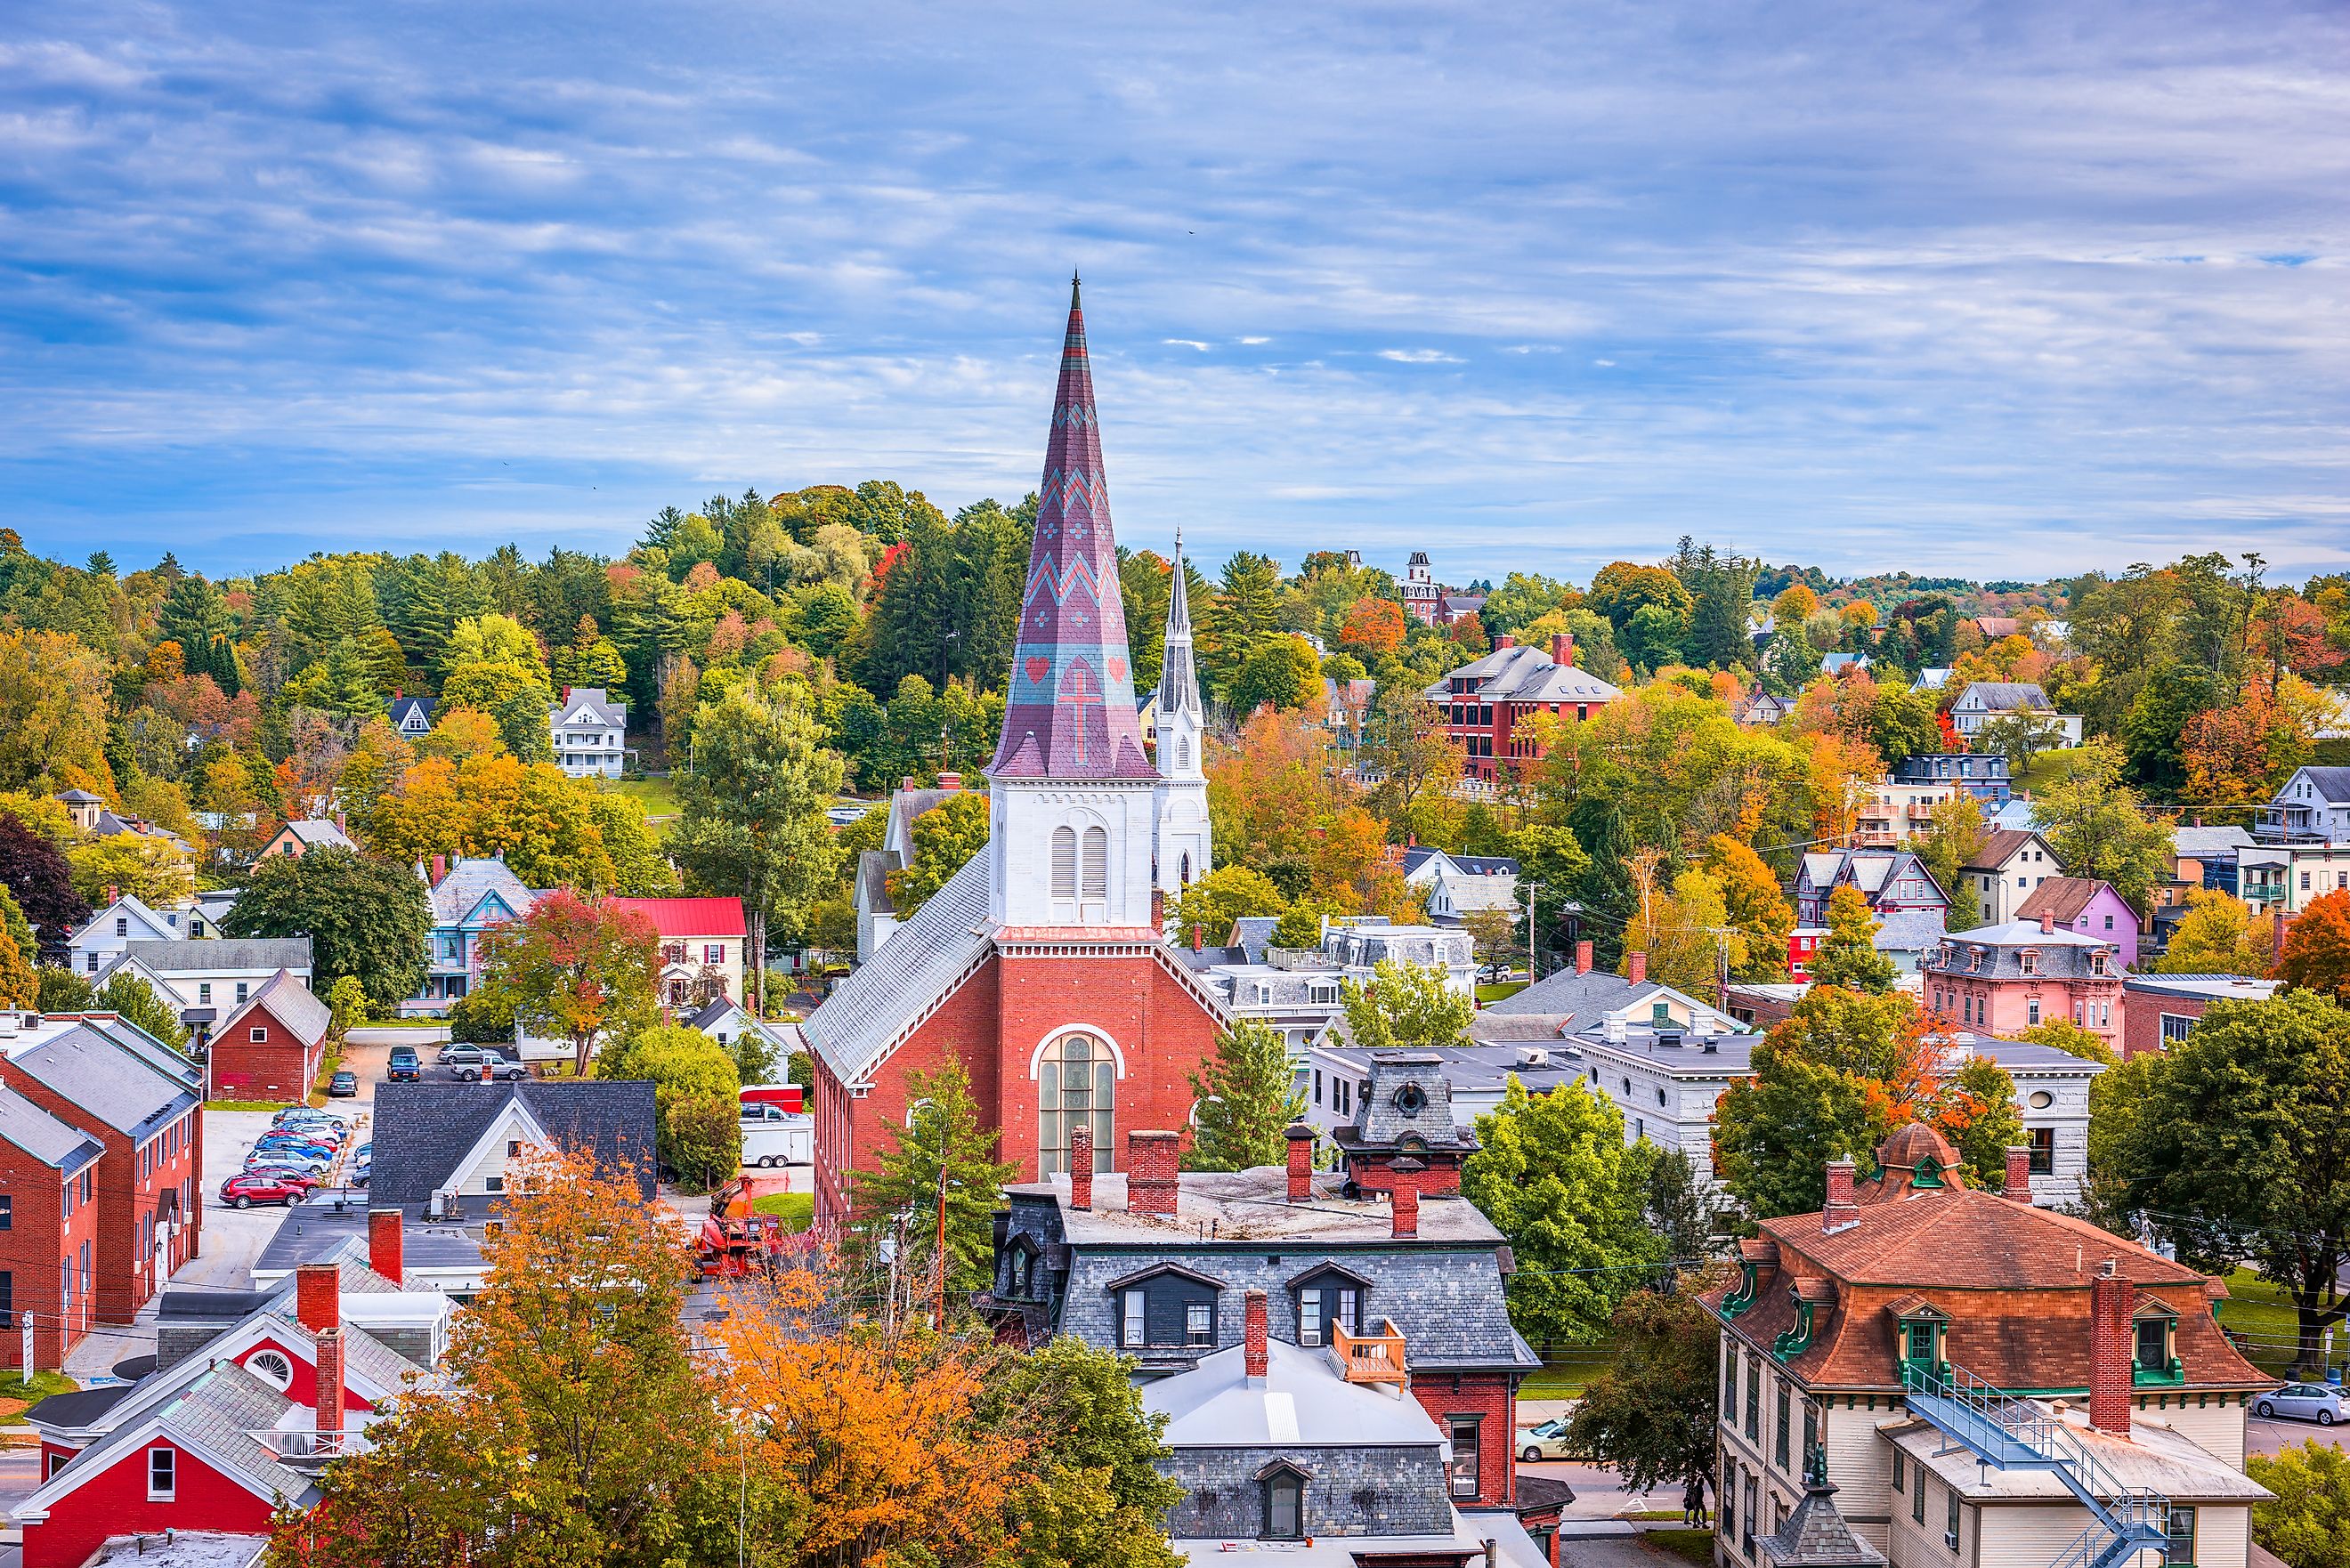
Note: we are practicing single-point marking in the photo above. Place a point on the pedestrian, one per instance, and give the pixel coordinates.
(1694, 1502)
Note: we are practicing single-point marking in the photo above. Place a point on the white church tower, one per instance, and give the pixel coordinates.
(1183, 849)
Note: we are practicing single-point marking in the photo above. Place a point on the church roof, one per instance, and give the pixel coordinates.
(1179, 681)
(908, 976)
(1071, 711)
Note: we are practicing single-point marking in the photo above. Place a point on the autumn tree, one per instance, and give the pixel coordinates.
(575, 968)
(1955, 834)
(2316, 954)
(492, 664)
(944, 1154)
(2218, 935)
(1685, 930)
(134, 865)
(35, 870)
(1409, 750)
(1754, 903)
(1204, 911)
(2305, 1518)
(1848, 955)
(1246, 1102)
(2095, 824)
(1373, 629)
(569, 1422)
(945, 837)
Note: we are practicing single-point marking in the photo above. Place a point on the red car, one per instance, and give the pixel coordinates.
(247, 1187)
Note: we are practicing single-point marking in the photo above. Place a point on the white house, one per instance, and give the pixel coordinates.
(1459, 885)
(1298, 993)
(205, 980)
(1985, 700)
(590, 732)
(2005, 870)
(2314, 807)
(113, 929)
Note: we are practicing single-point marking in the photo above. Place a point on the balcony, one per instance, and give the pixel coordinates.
(1369, 1357)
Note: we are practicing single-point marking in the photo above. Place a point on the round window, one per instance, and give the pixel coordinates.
(271, 1368)
(1411, 1099)
(2041, 1099)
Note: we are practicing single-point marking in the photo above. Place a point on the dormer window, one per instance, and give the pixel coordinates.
(1165, 1307)
(2155, 1348)
(2097, 964)
(1284, 1489)
(1019, 1270)
(2028, 960)
(1325, 1296)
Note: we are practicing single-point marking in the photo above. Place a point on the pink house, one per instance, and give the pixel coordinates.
(2003, 979)
(2090, 907)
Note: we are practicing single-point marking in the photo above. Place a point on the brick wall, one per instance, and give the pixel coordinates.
(1490, 1395)
(127, 1199)
(279, 1066)
(41, 1238)
(2142, 1019)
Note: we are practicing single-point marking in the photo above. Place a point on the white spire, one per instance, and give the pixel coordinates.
(1178, 680)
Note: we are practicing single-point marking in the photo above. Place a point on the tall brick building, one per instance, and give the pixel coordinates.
(1042, 967)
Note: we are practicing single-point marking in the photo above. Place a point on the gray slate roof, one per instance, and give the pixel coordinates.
(2332, 783)
(214, 955)
(319, 833)
(1252, 934)
(870, 1011)
(1567, 994)
(106, 1079)
(873, 868)
(2064, 954)
(2005, 697)
(1213, 1405)
(1524, 674)
(601, 709)
(454, 896)
(215, 1416)
(2199, 841)
(289, 1002)
(1815, 1536)
(422, 1130)
(43, 1137)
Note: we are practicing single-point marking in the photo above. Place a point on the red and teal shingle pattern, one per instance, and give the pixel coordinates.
(1071, 713)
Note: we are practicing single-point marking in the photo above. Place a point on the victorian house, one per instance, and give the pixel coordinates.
(2004, 978)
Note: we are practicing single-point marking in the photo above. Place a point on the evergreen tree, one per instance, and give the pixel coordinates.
(943, 1150)
(1246, 1102)
(1610, 901)
(1848, 955)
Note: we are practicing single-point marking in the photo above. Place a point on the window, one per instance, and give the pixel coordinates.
(163, 1474)
(1064, 863)
(1900, 1468)
(1019, 1270)
(271, 1368)
(496, 1184)
(257, 1035)
(1284, 1505)
(1318, 1086)
(1200, 1323)
(1075, 1087)
(1746, 1519)
(2043, 1150)
(1325, 1299)
(1951, 1531)
(513, 1147)
(1754, 1397)
(1130, 1323)
(205, 993)
(1918, 1498)
(1729, 1377)
(240, 990)
(1779, 1430)
(1462, 1470)
(1182, 751)
(122, 923)
(2176, 1027)
(2182, 1534)
(2031, 1011)
(1095, 865)
(7, 1212)
(2028, 960)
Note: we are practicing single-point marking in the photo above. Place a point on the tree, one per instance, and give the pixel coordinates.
(1621, 589)
(1205, 910)
(367, 920)
(1096, 1495)
(2019, 736)
(346, 1002)
(492, 666)
(2306, 1520)
(2316, 955)
(574, 967)
(689, 1071)
(1555, 1177)
(1651, 1416)
(1605, 889)
(2063, 1034)
(639, 869)
(1686, 933)
(152, 870)
(945, 837)
(944, 1156)
(1955, 834)
(1282, 672)
(1775, 1132)
(133, 998)
(19, 985)
(2236, 1150)
(570, 1423)
(2218, 935)
(53, 701)
(1848, 955)
(1404, 1007)
(1754, 903)
(1374, 628)
(1408, 748)
(2092, 820)
(1246, 1102)
(1976, 1111)
(752, 815)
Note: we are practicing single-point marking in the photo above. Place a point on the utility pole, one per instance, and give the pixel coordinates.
(1531, 888)
(939, 1262)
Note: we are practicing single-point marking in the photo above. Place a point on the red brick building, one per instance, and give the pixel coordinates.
(1041, 967)
(2160, 1010)
(272, 1046)
(1486, 702)
(139, 1100)
(48, 1231)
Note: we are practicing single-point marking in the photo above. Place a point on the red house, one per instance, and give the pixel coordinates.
(139, 1100)
(271, 1047)
(2159, 1011)
(48, 1230)
(1486, 702)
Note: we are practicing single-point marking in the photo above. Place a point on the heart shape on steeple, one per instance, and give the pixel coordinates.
(1037, 667)
(1118, 670)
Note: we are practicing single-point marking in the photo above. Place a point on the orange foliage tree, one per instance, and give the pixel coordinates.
(575, 968)
(1373, 627)
(2316, 955)
(1275, 797)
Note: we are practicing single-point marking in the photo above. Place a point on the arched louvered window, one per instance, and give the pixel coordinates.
(1095, 863)
(1064, 863)
(1182, 751)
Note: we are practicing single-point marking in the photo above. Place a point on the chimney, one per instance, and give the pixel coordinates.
(1504, 640)
(1301, 1162)
(439, 868)
(2110, 1302)
(1562, 647)
(1081, 1168)
(951, 783)
(329, 1348)
(2019, 1174)
(1195, 939)
(2047, 921)
(1255, 1349)
(1842, 1211)
(384, 1244)
(1637, 968)
(1403, 1194)
(318, 1296)
(1151, 1173)
(905, 781)
(1583, 956)
(1158, 909)
(566, 694)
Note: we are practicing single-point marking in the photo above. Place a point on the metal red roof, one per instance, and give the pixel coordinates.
(691, 917)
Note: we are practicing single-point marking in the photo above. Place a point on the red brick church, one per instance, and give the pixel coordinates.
(1042, 966)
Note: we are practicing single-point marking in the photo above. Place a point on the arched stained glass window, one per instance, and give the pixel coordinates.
(1076, 1086)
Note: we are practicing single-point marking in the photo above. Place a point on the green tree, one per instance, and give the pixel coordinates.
(2218, 935)
(1977, 1111)
(492, 664)
(133, 998)
(1554, 1176)
(1206, 909)
(1553, 868)
(2094, 823)
(1245, 1103)
(945, 837)
(2236, 1149)
(1404, 1007)
(366, 918)
(1775, 1132)
(2019, 736)
(752, 815)
(944, 1154)
(1651, 1416)
(2306, 1520)
(639, 869)
(1281, 672)
(2063, 1034)
(346, 1002)
(688, 1070)
(134, 865)
(1955, 834)
(1097, 1495)
(1610, 902)
(1848, 955)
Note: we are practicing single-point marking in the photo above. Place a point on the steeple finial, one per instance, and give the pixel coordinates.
(1073, 288)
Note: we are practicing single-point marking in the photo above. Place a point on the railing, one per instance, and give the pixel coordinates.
(2008, 1431)
(1369, 1357)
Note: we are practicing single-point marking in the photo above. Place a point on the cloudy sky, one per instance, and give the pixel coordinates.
(1995, 289)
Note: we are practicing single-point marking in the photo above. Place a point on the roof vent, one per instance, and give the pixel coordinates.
(1712, 1047)
(1670, 1039)
(1533, 1057)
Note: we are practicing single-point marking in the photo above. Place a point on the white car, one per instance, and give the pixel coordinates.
(2318, 1402)
(1546, 1440)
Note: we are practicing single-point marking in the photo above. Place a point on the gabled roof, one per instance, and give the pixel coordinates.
(285, 998)
(319, 833)
(2005, 697)
(457, 897)
(423, 1131)
(918, 967)
(2000, 844)
(129, 905)
(43, 1137)
(2333, 784)
(678, 917)
(402, 707)
(589, 705)
(108, 1079)
(2066, 898)
(216, 955)
(2193, 842)
(215, 1416)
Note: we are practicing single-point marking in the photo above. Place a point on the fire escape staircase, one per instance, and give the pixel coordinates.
(2013, 1433)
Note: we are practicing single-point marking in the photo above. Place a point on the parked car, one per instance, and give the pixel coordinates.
(2318, 1402)
(312, 1124)
(343, 1084)
(248, 1188)
(407, 1067)
(1546, 1440)
(326, 1143)
(280, 1159)
(303, 1145)
(482, 1064)
(308, 1176)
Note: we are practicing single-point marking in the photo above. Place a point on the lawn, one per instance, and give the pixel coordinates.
(795, 1209)
(2264, 1314)
(2046, 768)
(14, 1395)
(1490, 993)
(1695, 1545)
(271, 1105)
(1568, 1368)
(658, 796)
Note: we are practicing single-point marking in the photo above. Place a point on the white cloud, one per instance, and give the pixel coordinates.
(1185, 343)
(1418, 357)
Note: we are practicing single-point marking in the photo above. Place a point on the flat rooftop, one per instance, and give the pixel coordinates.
(1253, 1205)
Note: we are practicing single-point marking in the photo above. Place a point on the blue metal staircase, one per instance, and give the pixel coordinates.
(2013, 1433)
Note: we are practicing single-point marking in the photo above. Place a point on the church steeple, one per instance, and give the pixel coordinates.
(1070, 713)
(1184, 850)
(1178, 680)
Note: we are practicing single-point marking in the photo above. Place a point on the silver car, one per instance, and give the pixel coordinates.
(2318, 1402)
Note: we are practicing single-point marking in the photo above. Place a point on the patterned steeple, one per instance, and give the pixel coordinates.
(1178, 680)
(1070, 713)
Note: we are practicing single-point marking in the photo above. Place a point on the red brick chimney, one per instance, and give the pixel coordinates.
(1301, 1162)
(1255, 1349)
(2111, 1300)
(318, 1296)
(2019, 1174)
(951, 783)
(2048, 920)
(439, 868)
(1583, 956)
(1562, 647)
(1841, 1210)
(1504, 640)
(1151, 1173)
(1403, 1195)
(1636, 967)
(1081, 1168)
(329, 1348)
(385, 1251)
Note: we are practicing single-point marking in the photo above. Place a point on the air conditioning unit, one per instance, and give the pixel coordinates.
(1533, 1057)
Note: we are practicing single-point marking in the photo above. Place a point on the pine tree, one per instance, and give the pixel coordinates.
(1610, 901)
(1848, 955)
(944, 1149)
(1246, 1102)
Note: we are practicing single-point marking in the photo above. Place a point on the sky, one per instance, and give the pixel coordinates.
(1989, 290)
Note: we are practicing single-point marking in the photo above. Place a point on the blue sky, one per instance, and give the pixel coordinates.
(1998, 290)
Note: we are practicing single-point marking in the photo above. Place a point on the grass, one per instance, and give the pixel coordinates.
(271, 1105)
(1568, 1368)
(795, 1209)
(1651, 1515)
(2046, 768)
(1690, 1545)
(1497, 989)
(16, 1395)
(2262, 1312)
(658, 796)
(329, 1065)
